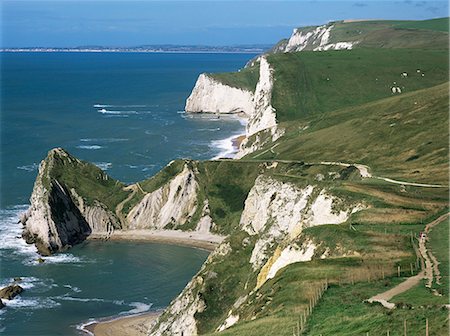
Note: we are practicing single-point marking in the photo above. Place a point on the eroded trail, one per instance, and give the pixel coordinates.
(134, 188)
(429, 267)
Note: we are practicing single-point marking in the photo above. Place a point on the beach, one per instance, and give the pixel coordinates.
(135, 325)
(205, 241)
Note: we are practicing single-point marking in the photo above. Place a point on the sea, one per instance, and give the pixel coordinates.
(125, 113)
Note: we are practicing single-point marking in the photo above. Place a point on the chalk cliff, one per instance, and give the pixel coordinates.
(211, 96)
(173, 203)
(58, 217)
(272, 222)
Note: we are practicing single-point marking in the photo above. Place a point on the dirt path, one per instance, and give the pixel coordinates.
(134, 188)
(363, 170)
(431, 266)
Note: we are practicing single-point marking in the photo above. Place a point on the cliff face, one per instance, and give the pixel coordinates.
(58, 217)
(211, 96)
(316, 39)
(173, 203)
(270, 238)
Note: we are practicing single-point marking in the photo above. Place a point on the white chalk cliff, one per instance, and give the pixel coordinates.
(173, 203)
(317, 39)
(57, 217)
(211, 96)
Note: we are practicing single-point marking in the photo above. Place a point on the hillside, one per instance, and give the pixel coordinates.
(344, 164)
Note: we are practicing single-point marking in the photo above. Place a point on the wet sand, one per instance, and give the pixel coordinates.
(135, 325)
(206, 241)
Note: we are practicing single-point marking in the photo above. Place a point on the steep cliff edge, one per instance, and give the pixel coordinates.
(64, 210)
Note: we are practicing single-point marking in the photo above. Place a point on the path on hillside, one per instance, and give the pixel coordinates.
(134, 188)
(363, 170)
(426, 273)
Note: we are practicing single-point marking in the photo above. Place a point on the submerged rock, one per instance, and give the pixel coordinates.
(11, 291)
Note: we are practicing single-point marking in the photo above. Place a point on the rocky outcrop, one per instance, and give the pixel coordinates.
(58, 217)
(211, 96)
(262, 123)
(277, 213)
(179, 318)
(172, 204)
(316, 39)
(101, 220)
(10, 292)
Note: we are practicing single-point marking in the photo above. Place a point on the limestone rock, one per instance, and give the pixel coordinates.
(11, 291)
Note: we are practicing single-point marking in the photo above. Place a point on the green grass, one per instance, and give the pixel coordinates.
(342, 311)
(246, 78)
(226, 186)
(441, 25)
(395, 136)
(163, 176)
(420, 295)
(89, 181)
(313, 83)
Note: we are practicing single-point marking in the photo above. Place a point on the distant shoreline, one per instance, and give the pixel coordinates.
(256, 51)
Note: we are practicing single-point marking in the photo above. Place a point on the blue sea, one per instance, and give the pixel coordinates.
(125, 113)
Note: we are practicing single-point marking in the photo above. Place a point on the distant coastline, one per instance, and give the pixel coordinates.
(247, 49)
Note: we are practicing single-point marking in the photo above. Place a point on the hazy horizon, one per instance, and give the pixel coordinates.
(68, 24)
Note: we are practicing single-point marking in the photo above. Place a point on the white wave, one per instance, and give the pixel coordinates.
(209, 129)
(11, 241)
(103, 165)
(181, 112)
(73, 288)
(116, 116)
(62, 258)
(139, 307)
(103, 140)
(105, 105)
(32, 167)
(70, 298)
(82, 326)
(225, 147)
(30, 303)
(89, 147)
(104, 111)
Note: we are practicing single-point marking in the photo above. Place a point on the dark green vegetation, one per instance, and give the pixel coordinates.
(89, 181)
(246, 78)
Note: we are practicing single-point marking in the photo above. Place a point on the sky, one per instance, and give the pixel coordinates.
(65, 23)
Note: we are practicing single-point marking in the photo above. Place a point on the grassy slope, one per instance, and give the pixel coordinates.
(401, 131)
(441, 24)
(88, 180)
(311, 83)
(246, 78)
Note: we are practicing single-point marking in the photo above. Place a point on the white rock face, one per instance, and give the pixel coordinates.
(211, 96)
(174, 202)
(336, 46)
(53, 222)
(178, 319)
(290, 255)
(301, 40)
(263, 115)
(279, 211)
(316, 40)
(231, 320)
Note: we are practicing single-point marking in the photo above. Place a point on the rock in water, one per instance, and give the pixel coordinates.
(11, 291)
(2, 305)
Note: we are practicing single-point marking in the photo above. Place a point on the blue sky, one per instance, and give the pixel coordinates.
(65, 23)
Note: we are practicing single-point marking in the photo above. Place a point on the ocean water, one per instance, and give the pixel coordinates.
(124, 112)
